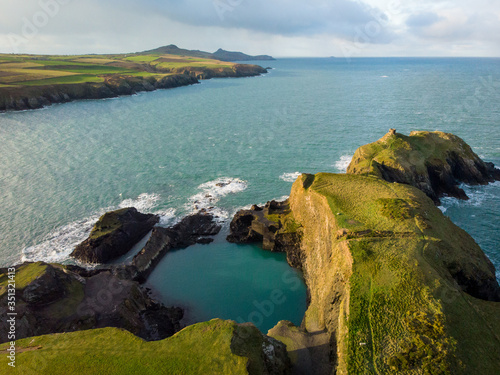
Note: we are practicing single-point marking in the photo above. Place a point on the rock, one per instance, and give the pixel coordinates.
(434, 162)
(189, 231)
(257, 225)
(53, 298)
(114, 235)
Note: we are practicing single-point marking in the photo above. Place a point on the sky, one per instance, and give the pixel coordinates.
(282, 28)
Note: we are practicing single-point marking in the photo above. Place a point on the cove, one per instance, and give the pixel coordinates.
(229, 281)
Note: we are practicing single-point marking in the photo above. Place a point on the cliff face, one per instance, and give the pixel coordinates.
(397, 286)
(434, 162)
(34, 97)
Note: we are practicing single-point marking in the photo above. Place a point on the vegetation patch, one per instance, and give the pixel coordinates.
(24, 276)
(204, 348)
(396, 209)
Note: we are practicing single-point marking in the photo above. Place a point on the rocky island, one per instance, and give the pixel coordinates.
(393, 285)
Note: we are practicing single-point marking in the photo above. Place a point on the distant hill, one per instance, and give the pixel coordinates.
(220, 54)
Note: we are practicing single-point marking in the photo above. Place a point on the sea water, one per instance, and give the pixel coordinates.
(168, 151)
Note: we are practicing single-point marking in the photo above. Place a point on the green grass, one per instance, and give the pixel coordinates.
(204, 348)
(399, 320)
(32, 70)
(405, 153)
(24, 276)
(108, 223)
(80, 78)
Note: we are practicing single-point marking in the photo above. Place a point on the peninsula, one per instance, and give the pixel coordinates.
(36, 81)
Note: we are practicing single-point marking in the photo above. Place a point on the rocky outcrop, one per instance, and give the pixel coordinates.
(434, 162)
(114, 235)
(53, 298)
(270, 226)
(197, 228)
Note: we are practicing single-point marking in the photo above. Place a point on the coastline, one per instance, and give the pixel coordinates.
(36, 97)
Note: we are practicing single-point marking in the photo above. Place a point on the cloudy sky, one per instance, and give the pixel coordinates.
(276, 27)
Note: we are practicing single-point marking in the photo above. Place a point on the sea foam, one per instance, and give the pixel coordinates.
(342, 164)
(59, 244)
(211, 192)
(290, 177)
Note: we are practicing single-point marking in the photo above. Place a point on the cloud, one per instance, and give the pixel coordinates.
(338, 18)
(422, 19)
(276, 27)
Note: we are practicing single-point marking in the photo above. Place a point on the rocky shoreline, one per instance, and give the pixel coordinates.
(35, 97)
(392, 283)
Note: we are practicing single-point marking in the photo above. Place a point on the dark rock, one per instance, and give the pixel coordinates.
(61, 300)
(189, 231)
(254, 226)
(114, 235)
(47, 288)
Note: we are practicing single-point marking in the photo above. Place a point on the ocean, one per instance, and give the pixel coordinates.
(166, 151)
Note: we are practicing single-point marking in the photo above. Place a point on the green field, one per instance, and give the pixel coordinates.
(35, 70)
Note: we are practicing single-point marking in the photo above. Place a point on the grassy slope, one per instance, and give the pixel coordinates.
(204, 348)
(33, 70)
(405, 312)
(23, 277)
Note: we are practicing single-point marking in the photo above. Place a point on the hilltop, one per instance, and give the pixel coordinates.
(220, 54)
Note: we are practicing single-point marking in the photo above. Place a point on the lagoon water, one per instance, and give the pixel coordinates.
(165, 151)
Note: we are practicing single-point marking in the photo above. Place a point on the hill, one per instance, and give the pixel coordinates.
(220, 54)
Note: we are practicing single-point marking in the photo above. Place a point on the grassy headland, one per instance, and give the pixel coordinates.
(33, 81)
(399, 287)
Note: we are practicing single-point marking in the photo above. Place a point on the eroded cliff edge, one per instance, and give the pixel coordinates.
(395, 285)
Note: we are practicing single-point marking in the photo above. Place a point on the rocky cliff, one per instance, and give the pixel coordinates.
(18, 98)
(394, 286)
(53, 298)
(434, 162)
(34, 97)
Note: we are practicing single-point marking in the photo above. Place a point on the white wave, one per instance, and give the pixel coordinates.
(343, 163)
(58, 245)
(384, 76)
(167, 217)
(477, 194)
(282, 198)
(290, 177)
(144, 202)
(212, 192)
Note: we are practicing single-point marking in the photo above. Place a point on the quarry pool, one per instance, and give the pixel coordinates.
(228, 281)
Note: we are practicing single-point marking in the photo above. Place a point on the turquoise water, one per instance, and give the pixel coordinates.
(239, 282)
(164, 151)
